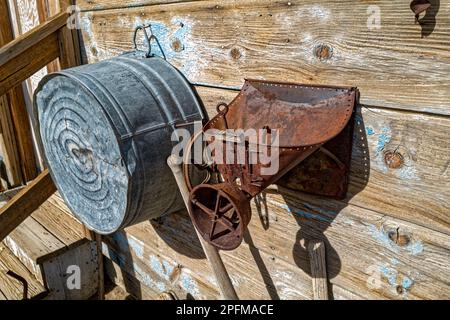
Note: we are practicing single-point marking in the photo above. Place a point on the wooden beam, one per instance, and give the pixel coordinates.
(31, 38)
(316, 251)
(42, 11)
(67, 57)
(44, 14)
(53, 7)
(22, 57)
(25, 202)
(69, 44)
(19, 68)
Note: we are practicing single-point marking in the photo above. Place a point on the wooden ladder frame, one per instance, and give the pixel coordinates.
(19, 59)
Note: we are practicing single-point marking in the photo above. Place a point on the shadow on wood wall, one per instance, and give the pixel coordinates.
(119, 251)
(313, 214)
(428, 21)
(312, 217)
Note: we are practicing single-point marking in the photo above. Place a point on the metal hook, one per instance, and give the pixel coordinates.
(22, 280)
(148, 40)
(222, 108)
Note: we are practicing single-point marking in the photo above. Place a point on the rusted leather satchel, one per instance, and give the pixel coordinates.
(303, 120)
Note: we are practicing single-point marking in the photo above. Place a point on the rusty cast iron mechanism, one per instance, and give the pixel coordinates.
(302, 119)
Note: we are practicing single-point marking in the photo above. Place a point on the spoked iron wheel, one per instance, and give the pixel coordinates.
(221, 213)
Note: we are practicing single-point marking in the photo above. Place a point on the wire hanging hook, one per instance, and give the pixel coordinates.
(147, 39)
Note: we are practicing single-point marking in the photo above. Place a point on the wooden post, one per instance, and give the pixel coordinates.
(215, 261)
(8, 144)
(18, 110)
(44, 14)
(23, 132)
(69, 37)
(67, 58)
(25, 202)
(10, 166)
(316, 251)
(93, 236)
(101, 269)
(16, 66)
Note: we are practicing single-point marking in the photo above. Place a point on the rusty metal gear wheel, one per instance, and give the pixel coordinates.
(221, 213)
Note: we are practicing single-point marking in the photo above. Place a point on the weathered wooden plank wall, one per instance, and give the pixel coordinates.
(223, 42)
(390, 237)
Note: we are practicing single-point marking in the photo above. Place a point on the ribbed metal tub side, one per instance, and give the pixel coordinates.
(106, 131)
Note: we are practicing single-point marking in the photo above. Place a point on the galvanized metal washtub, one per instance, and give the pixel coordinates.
(106, 132)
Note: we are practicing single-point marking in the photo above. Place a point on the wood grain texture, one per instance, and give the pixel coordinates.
(316, 251)
(11, 288)
(11, 174)
(16, 16)
(74, 53)
(365, 256)
(116, 292)
(48, 232)
(51, 240)
(27, 40)
(57, 272)
(44, 12)
(369, 251)
(53, 7)
(223, 43)
(23, 132)
(411, 192)
(27, 12)
(25, 202)
(255, 274)
(128, 283)
(417, 189)
(274, 263)
(100, 268)
(19, 68)
(24, 17)
(158, 272)
(93, 5)
(18, 109)
(67, 56)
(31, 243)
(2, 296)
(62, 225)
